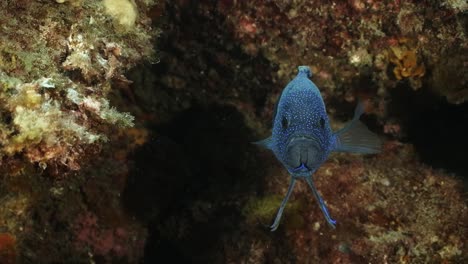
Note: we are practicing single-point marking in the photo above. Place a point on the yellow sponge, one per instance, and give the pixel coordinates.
(124, 12)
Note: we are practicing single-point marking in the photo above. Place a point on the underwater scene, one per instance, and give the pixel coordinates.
(230, 131)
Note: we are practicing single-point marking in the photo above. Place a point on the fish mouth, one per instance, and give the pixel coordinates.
(302, 154)
(301, 169)
(300, 137)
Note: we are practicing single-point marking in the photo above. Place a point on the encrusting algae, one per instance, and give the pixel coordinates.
(407, 64)
(56, 78)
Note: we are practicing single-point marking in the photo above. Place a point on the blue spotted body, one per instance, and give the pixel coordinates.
(302, 138)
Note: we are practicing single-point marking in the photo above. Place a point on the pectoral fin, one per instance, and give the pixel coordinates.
(266, 143)
(356, 137)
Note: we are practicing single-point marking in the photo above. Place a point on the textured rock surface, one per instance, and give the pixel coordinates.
(185, 184)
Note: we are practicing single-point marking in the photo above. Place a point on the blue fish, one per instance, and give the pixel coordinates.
(302, 139)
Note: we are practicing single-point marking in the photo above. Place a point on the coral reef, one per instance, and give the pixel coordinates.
(396, 206)
(389, 208)
(77, 218)
(83, 180)
(56, 74)
(62, 78)
(343, 39)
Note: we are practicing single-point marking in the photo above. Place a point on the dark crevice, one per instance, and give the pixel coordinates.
(191, 181)
(437, 128)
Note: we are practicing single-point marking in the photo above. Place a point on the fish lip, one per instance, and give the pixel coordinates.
(302, 168)
(301, 136)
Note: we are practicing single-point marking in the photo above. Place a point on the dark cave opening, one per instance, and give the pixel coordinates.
(190, 181)
(436, 128)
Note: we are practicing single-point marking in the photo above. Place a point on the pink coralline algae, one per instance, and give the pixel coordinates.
(116, 242)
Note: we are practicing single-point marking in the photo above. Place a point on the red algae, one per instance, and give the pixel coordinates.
(7, 248)
(111, 243)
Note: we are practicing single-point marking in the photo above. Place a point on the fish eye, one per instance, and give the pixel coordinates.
(322, 123)
(284, 122)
